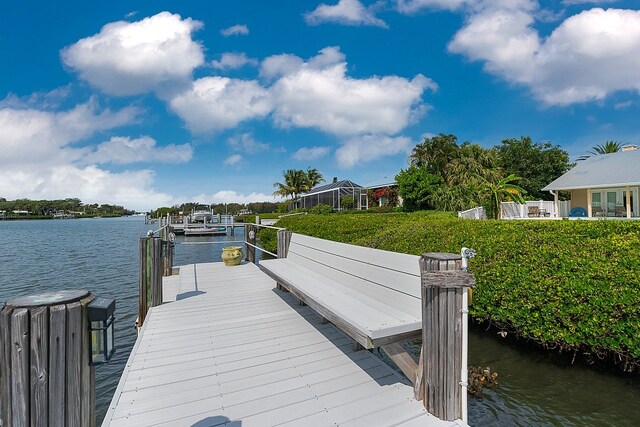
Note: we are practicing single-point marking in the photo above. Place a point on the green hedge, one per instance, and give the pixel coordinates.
(570, 285)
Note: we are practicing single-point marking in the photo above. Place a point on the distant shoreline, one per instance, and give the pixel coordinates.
(47, 217)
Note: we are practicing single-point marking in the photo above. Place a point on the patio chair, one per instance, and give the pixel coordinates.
(533, 211)
(620, 211)
(597, 211)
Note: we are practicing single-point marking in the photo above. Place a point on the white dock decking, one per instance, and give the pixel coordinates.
(232, 350)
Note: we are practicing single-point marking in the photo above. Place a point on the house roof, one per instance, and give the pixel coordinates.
(600, 171)
(380, 183)
(345, 183)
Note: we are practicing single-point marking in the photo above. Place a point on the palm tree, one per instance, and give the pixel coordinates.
(314, 177)
(606, 148)
(295, 182)
(497, 192)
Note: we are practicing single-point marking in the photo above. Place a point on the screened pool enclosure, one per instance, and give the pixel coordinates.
(337, 194)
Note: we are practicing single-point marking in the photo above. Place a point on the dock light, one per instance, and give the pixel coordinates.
(101, 345)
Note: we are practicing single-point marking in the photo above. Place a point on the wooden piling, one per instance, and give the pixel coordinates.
(168, 245)
(284, 239)
(45, 377)
(150, 277)
(250, 236)
(443, 284)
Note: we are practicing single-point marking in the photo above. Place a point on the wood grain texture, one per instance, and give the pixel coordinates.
(5, 366)
(20, 387)
(57, 365)
(402, 359)
(87, 373)
(39, 337)
(143, 275)
(442, 287)
(74, 351)
(156, 272)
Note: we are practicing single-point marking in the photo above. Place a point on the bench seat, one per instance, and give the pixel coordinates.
(372, 295)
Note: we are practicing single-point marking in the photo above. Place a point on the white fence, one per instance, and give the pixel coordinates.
(532, 208)
(513, 210)
(473, 213)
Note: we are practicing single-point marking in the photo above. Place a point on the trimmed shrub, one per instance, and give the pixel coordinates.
(321, 209)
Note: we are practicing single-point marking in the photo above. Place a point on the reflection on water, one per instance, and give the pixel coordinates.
(102, 255)
(535, 388)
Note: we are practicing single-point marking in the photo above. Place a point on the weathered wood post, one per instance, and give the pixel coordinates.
(443, 310)
(150, 283)
(250, 234)
(45, 377)
(168, 243)
(284, 238)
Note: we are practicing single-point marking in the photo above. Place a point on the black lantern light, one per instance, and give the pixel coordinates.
(101, 345)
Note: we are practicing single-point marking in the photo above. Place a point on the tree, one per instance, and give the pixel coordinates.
(494, 193)
(314, 177)
(415, 186)
(434, 154)
(606, 148)
(297, 181)
(537, 164)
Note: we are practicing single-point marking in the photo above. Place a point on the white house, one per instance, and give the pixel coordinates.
(604, 185)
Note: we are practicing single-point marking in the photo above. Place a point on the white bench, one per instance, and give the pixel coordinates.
(371, 294)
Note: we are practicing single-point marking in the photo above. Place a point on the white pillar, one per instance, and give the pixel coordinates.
(589, 206)
(628, 201)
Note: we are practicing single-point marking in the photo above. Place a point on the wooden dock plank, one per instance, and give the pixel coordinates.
(233, 349)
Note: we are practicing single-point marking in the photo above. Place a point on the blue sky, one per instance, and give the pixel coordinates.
(153, 103)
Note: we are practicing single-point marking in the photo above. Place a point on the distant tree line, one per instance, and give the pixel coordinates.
(50, 207)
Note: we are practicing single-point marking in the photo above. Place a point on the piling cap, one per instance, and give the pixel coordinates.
(442, 256)
(49, 298)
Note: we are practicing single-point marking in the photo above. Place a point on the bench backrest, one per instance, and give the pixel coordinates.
(389, 276)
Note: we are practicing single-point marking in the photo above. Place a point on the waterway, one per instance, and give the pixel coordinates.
(101, 255)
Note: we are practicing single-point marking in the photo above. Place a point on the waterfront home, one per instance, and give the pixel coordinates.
(604, 185)
(382, 193)
(340, 195)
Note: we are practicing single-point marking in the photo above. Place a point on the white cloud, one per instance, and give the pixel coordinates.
(413, 6)
(623, 105)
(318, 94)
(280, 65)
(574, 2)
(132, 58)
(32, 135)
(216, 103)
(233, 61)
(247, 143)
(231, 196)
(310, 153)
(236, 30)
(587, 57)
(347, 12)
(41, 160)
(232, 160)
(366, 148)
(124, 150)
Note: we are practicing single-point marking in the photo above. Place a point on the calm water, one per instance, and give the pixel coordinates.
(101, 255)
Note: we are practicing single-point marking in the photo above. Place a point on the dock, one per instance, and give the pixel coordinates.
(227, 347)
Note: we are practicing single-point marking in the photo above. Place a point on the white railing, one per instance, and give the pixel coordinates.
(473, 213)
(513, 210)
